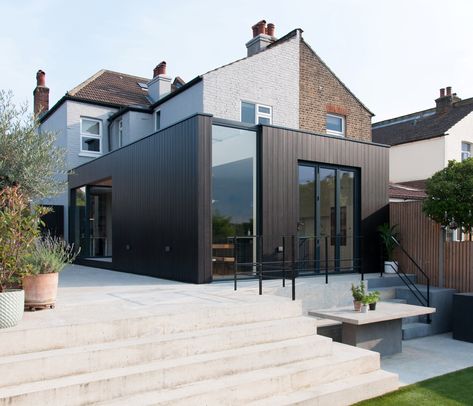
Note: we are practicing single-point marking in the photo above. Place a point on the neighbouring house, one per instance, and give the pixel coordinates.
(423, 142)
(164, 171)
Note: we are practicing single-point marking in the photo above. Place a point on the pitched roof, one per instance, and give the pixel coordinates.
(113, 87)
(404, 192)
(421, 125)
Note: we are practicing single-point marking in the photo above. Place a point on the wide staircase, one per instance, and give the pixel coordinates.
(260, 353)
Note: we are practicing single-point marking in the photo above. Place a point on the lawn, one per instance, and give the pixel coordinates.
(451, 389)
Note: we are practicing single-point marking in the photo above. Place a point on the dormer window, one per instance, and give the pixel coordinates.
(335, 125)
(90, 136)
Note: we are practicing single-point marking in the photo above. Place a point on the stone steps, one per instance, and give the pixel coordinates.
(416, 330)
(51, 364)
(243, 388)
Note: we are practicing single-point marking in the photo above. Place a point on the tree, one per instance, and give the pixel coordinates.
(28, 158)
(450, 195)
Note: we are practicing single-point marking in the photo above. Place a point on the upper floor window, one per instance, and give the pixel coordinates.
(256, 113)
(120, 134)
(466, 150)
(157, 122)
(90, 136)
(335, 125)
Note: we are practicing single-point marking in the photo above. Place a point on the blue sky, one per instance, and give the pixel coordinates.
(393, 54)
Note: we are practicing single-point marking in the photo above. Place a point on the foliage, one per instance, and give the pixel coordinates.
(50, 255)
(447, 390)
(222, 227)
(19, 227)
(389, 235)
(358, 292)
(371, 297)
(28, 157)
(450, 195)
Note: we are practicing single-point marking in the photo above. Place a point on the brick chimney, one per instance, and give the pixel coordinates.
(40, 94)
(263, 35)
(446, 100)
(160, 85)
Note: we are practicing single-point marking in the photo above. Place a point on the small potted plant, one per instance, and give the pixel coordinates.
(389, 236)
(364, 304)
(48, 257)
(358, 292)
(372, 299)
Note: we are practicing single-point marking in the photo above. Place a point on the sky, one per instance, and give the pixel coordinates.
(394, 55)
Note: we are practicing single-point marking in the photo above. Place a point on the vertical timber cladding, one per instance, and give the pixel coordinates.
(282, 149)
(161, 201)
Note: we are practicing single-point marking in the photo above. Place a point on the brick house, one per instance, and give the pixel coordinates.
(271, 144)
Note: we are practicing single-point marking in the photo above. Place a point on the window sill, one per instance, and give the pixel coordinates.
(90, 154)
(335, 134)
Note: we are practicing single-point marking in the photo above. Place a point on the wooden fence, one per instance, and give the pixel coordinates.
(421, 238)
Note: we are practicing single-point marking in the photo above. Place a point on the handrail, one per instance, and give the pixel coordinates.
(426, 298)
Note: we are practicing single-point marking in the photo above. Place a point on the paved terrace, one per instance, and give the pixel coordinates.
(91, 294)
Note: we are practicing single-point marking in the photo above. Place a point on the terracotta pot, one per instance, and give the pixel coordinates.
(40, 290)
(357, 304)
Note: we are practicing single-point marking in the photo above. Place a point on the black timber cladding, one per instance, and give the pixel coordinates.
(161, 194)
(282, 149)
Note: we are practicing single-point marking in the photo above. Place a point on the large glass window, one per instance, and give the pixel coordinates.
(233, 192)
(90, 136)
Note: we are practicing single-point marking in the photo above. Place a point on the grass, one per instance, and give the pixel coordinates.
(451, 389)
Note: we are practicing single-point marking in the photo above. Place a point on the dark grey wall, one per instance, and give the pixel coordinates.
(161, 197)
(282, 149)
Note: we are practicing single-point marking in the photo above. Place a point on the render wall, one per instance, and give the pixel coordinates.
(321, 93)
(462, 131)
(416, 160)
(270, 77)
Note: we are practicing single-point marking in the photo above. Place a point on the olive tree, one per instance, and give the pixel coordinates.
(28, 157)
(449, 199)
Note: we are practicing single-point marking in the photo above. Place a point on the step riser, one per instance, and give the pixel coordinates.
(269, 386)
(65, 364)
(26, 341)
(174, 375)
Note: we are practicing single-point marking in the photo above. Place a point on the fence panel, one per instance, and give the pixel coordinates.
(459, 265)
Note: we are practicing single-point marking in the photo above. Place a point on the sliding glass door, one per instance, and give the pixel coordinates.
(328, 217)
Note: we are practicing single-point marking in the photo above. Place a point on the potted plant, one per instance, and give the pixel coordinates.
(364, 304)
(389, 236)
(372, 299)
(19, 227)
(48, 257)
(358, 292)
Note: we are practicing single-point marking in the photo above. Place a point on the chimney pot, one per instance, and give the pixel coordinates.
(449, 90)
(270, 29)
(160, 69)
(40, 78)
(259, 28)
(442, 92)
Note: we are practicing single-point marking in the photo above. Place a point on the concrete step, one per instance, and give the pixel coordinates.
(410, 320)
(385, 293)
(51, 364)
(387, 280)
(21, 340)
(403, 301)
(415, 330)
(243, 388)
(163, 374)
(341, 392)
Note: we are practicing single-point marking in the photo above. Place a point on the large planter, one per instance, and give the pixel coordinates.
(12, 303)
(390, 266)
(40, 290)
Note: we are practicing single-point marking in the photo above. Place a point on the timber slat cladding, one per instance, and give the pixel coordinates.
(420, 238)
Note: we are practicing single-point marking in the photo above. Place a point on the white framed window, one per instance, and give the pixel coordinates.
(254, 113)
(90, 136)
(120, 134)
(157, 120)
(466, 150)
(335, 125)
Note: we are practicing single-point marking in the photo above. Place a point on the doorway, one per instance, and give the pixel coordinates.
(328, 221)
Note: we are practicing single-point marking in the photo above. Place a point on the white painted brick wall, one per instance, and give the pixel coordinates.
(270, 77)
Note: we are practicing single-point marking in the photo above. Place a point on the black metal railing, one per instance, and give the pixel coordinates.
(423, 299)
(294, 256)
